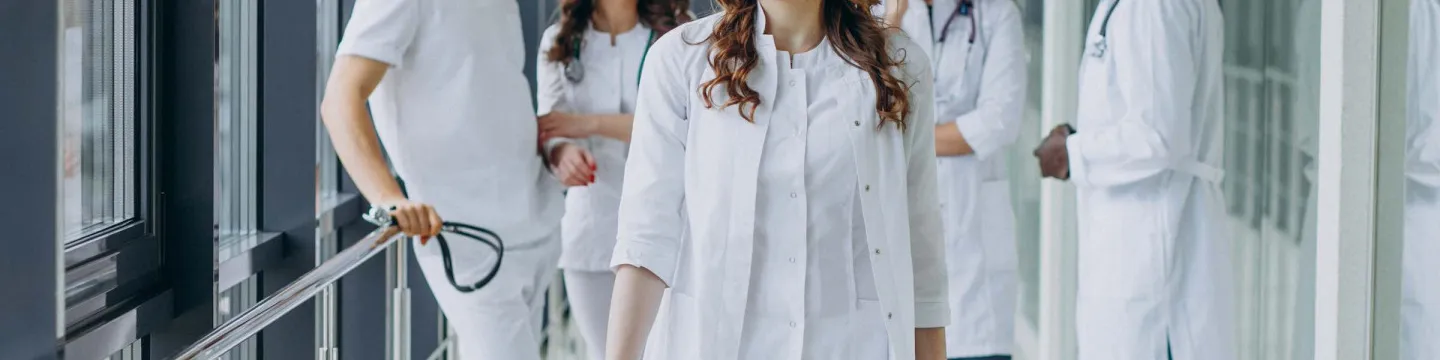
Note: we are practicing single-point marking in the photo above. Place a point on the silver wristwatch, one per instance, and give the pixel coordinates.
(379, 216)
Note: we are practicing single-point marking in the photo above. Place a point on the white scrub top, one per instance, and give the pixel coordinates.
(1420, 294)
(1154, 250)
(979, 86)
(608, 87)
(454, 112)
(709, 197)
(807, 190)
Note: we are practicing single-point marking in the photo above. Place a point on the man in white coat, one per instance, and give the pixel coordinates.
(450, 102)
(1154, 269)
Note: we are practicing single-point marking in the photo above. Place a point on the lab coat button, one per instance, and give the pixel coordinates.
(857, 122)
(794, 195)
(889, 315)
(877, 251)
(792, 260)
(867, 187)
(792, 324)
(792, 83)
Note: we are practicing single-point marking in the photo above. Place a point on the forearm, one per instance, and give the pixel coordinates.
(614, 126)
(930, 344)
(633, 307)
(950, 142)
(353, 136)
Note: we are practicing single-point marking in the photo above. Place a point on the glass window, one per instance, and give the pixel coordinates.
(1271, 83)
(235, 120)
(1420, 231)
(1025, 177)
(97, 117)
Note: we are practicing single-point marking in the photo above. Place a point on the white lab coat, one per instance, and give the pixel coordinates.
(1154, 252)
(688, 210)
(1420, 294)
(981, 87)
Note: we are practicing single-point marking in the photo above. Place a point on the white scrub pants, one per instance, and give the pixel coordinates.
(501, 321)
(589, 295)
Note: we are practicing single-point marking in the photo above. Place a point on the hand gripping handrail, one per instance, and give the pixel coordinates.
(248, 323)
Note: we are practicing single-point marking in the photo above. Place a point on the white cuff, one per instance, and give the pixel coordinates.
(931, 315)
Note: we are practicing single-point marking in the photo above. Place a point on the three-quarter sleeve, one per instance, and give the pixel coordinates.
(994, 124)
(927, 241)
(651, 223)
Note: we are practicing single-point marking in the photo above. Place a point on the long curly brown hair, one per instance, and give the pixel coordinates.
(660, 15)
(854, 33)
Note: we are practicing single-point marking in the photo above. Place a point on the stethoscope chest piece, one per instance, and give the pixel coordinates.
(1099, 47)
(574, 71)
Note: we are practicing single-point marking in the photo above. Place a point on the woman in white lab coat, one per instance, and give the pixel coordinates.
(978, 53)
(588, 72)
(781, 184)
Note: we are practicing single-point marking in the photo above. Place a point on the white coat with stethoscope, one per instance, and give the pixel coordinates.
(1154, 272)
(1420, 294)
(691, 203)
(977, 48)
(602, 79)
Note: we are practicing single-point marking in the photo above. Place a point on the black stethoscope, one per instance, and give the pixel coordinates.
(575, 71)
(381, 217)
(1103, 44)
(966, 8)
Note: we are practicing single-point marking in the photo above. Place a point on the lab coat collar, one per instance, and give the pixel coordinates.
(762, 40)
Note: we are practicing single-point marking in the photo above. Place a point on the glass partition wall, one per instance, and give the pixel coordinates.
(1271, 128)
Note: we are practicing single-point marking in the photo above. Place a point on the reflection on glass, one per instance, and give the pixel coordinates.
(1271, 77)
(327, 167)
(1025, 178)
(98, 115)
(1420, 291)
(235, 130)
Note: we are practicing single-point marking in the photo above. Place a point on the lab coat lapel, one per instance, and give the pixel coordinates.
(739, 249)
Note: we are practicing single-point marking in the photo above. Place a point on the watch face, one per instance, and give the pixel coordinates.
(377, 216)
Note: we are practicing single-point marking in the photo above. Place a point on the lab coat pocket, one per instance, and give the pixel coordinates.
(1126, 244)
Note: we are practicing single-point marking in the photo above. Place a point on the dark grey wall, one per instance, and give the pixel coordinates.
(28, 77)
(287, 177)
(185, 109)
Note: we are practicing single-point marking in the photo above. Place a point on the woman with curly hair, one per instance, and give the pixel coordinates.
(587, 74)
(780, 192)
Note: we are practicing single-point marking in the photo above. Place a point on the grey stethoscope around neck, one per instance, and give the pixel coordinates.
(575, 70)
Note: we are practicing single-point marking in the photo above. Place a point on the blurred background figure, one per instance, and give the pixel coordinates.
(587, 74)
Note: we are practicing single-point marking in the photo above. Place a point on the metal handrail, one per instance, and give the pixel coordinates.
(247, 324)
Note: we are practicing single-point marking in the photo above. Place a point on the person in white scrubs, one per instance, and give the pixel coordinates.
(1420, 293)
(1154, 274)
(977, 48)
(450, 103)
(588, 72)
(780, 192)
